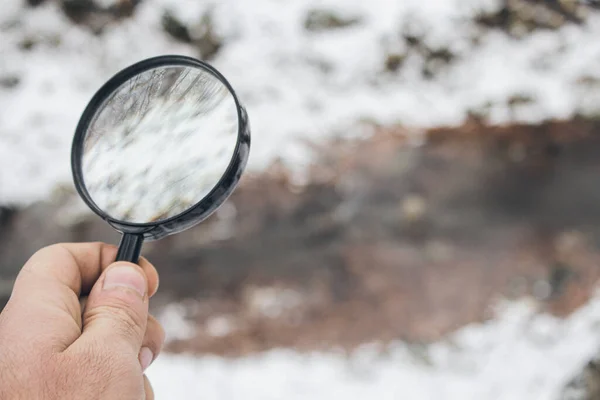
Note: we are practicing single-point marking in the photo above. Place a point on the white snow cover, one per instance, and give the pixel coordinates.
(297, 85)
(519, 355)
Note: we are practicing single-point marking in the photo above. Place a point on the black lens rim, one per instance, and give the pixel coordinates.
(205, 207)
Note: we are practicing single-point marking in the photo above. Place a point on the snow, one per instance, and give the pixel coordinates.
(297, 85)
(518, 355)
(173, 319)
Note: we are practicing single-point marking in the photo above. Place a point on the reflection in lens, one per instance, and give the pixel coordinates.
(159, 144)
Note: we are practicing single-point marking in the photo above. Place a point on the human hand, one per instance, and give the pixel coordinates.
(50, 349)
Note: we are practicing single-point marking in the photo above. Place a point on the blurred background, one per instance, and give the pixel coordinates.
(420, 218)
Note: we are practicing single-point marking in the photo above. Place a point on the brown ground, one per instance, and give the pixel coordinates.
(387, 241)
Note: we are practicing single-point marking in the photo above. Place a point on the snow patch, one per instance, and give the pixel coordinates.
(176, 325)
(519, 355)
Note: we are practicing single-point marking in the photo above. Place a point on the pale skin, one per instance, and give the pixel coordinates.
(52, 349)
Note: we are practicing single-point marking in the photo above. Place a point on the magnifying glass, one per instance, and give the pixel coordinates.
(159, 148)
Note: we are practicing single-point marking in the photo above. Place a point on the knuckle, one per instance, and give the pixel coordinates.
(38, 263)
(57, 248)
(50, 248)
(128, 327)
(126, 320)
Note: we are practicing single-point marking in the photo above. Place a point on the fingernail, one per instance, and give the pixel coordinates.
(146, 357)
(125, 276)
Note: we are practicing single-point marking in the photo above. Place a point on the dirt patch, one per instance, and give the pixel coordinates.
(387, 240)
(395, 242)
(521, 17)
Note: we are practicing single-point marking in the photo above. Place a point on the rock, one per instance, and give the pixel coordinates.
(323, 20)
(35, 3)
(435, 60)
(412, 37)
(585, 386)
(97, 16)
(28, 43)
(521, 17)
(202, 35)
(394, 62)
(205, 37)
(414, 207)
(175, 28)
(9, 81)
(6, 215)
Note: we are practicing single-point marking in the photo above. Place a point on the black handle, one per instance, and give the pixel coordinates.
(130, 248)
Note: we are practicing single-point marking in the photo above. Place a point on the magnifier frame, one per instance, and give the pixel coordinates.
(135, 233)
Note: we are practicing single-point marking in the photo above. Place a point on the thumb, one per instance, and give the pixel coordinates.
(116, 312)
